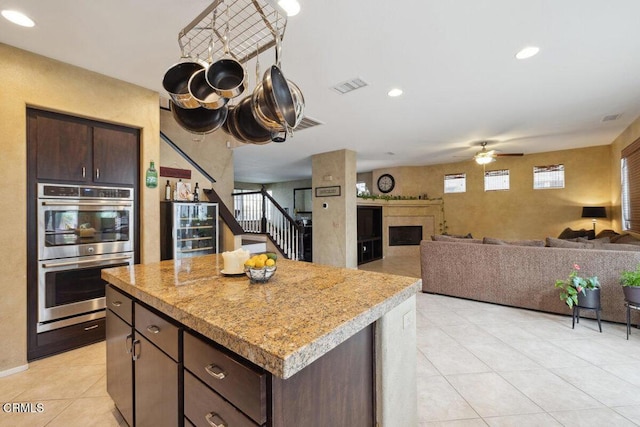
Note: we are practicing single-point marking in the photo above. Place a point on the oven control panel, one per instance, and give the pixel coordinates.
(83, 192)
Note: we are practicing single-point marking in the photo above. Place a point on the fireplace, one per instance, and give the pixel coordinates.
(405, 235)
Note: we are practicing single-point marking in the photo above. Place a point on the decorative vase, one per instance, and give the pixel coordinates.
(631, 294)
(590, 299)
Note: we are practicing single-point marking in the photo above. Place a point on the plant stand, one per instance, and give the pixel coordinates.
(630, 305)
(589, 301)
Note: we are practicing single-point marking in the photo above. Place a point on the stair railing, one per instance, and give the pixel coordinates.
(259, 212)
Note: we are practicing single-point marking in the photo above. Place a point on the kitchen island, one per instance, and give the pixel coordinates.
(324, 342)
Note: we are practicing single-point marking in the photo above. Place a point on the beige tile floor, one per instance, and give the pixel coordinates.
(478, 365)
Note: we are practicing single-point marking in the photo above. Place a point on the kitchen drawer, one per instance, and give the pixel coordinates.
(120, 304)
(241, 385)
(201, 404)
(158, 330)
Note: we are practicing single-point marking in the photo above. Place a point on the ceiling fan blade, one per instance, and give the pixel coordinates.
(509, 154)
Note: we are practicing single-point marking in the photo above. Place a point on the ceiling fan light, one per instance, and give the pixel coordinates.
(484, 160)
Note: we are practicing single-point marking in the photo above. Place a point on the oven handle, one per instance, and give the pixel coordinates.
(87, 261)
(85, 203)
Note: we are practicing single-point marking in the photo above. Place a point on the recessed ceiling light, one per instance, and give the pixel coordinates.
(18, 18)
(395, 92)
(291, 7)
(528, 52)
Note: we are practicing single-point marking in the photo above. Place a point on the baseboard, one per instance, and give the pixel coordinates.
(15, 370)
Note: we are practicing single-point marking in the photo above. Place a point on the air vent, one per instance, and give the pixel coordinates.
(349, 85)
(308, 122)
(611, 117)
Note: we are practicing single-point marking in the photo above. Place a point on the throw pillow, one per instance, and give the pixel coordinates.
(568, 233)
(596, 242)
(560, 243)
(607, 233)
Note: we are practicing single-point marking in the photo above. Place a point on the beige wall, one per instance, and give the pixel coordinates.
(33, 80)
(521, 212)
(335, 228)
(212, 154)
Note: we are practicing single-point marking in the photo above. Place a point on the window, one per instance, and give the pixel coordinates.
(455, 183)
(630, 185)
(551, 176)
(361, 188)
(496, 180)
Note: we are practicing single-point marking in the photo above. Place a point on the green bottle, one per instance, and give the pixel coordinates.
(152, 176)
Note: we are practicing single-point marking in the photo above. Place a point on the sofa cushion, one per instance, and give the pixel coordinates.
(494, 241)
(568, 233)
(560, 243)
(619, 247)
(443, 238)
(626, 239)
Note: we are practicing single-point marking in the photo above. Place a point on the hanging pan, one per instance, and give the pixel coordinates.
(226, 76)
(176, 80)
(199, 120)
(199, 88)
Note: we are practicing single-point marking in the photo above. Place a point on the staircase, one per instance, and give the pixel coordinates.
(260, 214)
(257, 217)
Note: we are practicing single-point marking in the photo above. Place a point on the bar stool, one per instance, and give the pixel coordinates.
(630, 305)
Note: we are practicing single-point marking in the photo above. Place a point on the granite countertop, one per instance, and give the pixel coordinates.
(304, 311)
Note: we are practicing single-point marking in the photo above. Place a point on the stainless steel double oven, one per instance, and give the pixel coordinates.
(81, 230)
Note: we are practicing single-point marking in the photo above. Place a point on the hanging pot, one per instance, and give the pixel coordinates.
(226, 76)
(203, 93)
(198, 86)
(199, 120)
(231, 125)
(176, 82)
(248, 126)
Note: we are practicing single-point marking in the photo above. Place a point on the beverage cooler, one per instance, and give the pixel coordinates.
(188, 229)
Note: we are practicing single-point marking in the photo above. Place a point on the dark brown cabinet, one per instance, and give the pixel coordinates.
(156, 386)
(143, 378)
(119, 366)
(369, 233)
(72, 149)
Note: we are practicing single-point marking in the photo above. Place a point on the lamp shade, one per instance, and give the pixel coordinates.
(594, 212)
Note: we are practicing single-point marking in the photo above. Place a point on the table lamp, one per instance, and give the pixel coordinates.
(594, 212)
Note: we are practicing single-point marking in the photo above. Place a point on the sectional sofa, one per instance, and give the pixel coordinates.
(509, 273)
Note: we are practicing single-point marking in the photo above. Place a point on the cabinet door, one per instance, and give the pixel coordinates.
(115, 156)
(63, 150)
(156, 392)
(120, 365)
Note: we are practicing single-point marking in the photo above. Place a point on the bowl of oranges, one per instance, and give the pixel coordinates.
(260, 268)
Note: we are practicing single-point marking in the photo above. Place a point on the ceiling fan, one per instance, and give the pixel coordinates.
(485, 156)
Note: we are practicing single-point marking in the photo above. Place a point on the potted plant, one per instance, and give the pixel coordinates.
(580, 291)
(630, 281)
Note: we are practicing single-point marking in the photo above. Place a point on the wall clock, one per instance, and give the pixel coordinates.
(386, 183)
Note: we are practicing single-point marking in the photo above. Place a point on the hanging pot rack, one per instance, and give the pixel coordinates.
(253, 28)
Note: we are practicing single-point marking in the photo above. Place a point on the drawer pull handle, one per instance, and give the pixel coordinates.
(211, 419)
(153, 329)
(215, 371)
(136, 356)
(88, 328)
(116, 303)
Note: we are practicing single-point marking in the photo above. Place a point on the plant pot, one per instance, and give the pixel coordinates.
(631, 294)
(591, 299)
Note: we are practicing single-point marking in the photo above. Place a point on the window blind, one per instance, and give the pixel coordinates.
(630, 177)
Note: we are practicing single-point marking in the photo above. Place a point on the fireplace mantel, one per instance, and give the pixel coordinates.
(426, 213)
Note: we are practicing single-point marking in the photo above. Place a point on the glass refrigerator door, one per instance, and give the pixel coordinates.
(195, 229)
